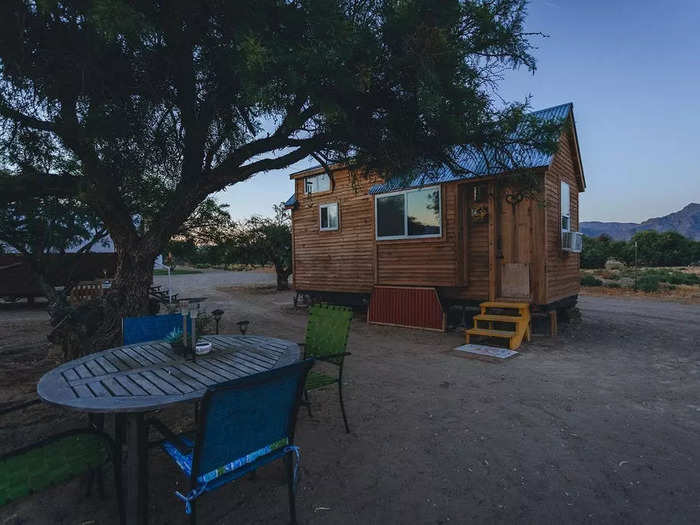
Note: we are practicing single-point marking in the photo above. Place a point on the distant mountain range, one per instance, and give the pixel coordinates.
(686, 222)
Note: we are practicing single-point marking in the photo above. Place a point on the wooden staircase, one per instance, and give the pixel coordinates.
(518, 316)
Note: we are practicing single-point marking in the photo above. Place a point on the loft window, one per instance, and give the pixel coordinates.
(317, 183)
(565, 208)
(329, 216)
(409, 214)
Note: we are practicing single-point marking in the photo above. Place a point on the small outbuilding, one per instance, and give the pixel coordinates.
(412, 248)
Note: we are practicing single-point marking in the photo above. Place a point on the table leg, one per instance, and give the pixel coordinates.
(136, 470)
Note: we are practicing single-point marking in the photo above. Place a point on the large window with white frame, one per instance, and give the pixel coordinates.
(565, 198)
(409, 214)
(328, 216)
(317, 183)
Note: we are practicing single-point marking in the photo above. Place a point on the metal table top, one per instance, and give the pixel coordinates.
(146, 376)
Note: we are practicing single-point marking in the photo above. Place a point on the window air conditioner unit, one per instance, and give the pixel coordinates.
(572, 241)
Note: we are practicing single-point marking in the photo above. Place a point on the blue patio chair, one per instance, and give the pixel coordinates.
(151, 328)
(244, 424)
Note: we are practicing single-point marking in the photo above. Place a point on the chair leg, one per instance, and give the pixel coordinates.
(118, 487)
(90, 481)
(307, 402)
(96, 422)
(340, 396)
(100, 483)
(193, 514)
(342, 406)
(291, 489)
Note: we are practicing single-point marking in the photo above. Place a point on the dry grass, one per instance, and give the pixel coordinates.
(681, 293)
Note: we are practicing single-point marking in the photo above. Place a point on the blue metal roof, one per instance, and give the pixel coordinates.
(474, 164)
(291, 201)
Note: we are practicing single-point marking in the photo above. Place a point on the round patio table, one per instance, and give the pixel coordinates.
(131, 380)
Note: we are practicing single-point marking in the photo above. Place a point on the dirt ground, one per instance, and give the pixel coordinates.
(597, 425)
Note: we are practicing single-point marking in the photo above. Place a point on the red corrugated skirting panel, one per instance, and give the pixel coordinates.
(406, 306)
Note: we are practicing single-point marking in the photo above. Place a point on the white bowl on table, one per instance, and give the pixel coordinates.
(202, 348)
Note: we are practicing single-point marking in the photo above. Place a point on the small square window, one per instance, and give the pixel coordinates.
(329, 216)
(317, 183)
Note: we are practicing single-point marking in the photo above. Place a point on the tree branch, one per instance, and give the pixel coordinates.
(30, 122)
(19, 187)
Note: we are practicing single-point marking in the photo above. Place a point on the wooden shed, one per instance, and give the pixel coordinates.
(412, 248)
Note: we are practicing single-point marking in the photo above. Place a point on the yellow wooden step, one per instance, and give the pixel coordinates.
(503, 304)
(503, 334)
(499, 318)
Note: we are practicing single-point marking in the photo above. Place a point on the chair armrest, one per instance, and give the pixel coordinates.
(169, 435)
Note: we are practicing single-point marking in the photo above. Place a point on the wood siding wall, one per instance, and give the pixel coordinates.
(423, 262)
(562, 268)
(341, 260)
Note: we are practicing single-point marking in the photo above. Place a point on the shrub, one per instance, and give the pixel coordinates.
(590, 280)
(648, 283)
(672, 276)
(612, 285)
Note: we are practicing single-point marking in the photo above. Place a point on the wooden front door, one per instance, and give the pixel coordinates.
(513, 249)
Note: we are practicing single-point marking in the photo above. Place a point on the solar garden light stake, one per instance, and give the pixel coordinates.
(217, 317)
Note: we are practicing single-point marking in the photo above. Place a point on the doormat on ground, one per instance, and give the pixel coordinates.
(493, 354)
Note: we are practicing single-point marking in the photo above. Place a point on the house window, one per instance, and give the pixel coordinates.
(317, 183)
(329, 216)
(565, 208)
(410, 213)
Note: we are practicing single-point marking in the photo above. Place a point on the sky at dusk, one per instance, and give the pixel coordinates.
(632, 70)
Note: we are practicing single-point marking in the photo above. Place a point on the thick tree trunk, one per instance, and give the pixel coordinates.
(282, 278)
(133, 277)
(96, 325)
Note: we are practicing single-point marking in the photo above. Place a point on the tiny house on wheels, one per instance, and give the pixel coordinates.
(413, 248)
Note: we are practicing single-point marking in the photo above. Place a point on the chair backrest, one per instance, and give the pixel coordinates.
(246, 415)
(51, 461)
(327, 330)
(150, 328)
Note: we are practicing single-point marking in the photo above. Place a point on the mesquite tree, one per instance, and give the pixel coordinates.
(265, 240)
(160, 104)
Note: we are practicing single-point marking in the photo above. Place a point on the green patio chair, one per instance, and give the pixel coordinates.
(326, 341)
(56, 459)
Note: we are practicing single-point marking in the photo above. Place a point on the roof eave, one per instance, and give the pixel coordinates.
(582, 182)
(315, 170)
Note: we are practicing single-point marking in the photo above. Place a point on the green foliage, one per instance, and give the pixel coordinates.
(671, 276)
(163, 104)
(210, 224)
(648, 283)
(263, 240)
(613, 285)
(654, 249)
(590, 280)
(663, 248)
